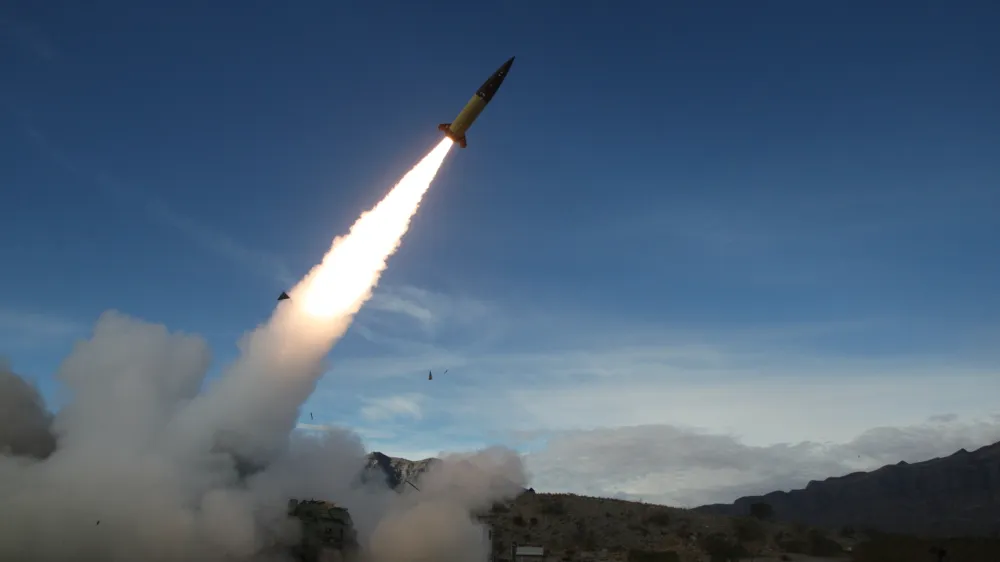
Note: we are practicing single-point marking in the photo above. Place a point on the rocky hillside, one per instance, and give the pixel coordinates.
(580, 528)
(396, 471)
(577, 528)
(954, 495)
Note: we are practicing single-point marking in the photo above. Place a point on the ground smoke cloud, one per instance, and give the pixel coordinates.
(24, 423)
(140, 464)
(434, 523)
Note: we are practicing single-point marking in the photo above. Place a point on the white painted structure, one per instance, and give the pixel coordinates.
(529, 554)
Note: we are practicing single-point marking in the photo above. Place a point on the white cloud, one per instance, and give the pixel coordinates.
(673, 413)
(685, 467)
(387, 301)
(19, 329)
(832, 404)
(392, 407)
(34, 323)
(363, 432)
(317, 427)
(427, 308)
(765, 395)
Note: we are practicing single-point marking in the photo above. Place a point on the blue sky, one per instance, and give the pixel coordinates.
(771, 221)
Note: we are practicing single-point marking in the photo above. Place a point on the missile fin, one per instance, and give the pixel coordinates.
(446, 127)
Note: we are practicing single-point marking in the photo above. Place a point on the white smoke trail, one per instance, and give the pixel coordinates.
(256, 403)
(145, 467)
(337, 287)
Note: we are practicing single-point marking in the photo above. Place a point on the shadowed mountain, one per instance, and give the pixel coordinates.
(949, 496)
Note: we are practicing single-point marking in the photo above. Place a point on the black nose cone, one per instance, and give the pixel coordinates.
(506, 66)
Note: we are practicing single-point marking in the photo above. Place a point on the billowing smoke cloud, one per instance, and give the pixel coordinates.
(255, 404)
(149, 466)
(128, 483)
(433, 524)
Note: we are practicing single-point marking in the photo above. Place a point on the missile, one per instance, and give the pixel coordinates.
(456, 129)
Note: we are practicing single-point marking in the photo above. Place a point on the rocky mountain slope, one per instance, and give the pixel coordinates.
(573, 528)
(950, 496)
(395, 471)
(580, 528)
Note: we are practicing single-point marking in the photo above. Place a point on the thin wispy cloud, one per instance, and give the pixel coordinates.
(220, 244)
(425, 307)
(405, 406)
(688, 467)
(365, 433)
(264, 264)
(388, 301)
(430, 310)
(315, 427)
(807, 239)
(680, 414)
(823, 398)
(21, 329)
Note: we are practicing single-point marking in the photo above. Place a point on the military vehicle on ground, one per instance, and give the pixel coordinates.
(328, 533)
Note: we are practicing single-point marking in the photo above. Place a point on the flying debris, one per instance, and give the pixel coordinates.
(412, 484)
(311, 416)
(283, 296)
(430, 375)
(456, 129)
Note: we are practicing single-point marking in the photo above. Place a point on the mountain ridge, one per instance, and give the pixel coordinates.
(955, 495)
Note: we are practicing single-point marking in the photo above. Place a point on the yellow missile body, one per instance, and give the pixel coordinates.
(457, 128)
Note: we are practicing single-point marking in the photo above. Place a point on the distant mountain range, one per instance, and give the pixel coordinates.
(957, 495)
(951, 496)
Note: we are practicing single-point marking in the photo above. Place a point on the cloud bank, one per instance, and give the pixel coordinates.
(674, 414)
(688, 467)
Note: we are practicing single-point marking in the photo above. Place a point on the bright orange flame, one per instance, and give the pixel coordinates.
(343, 281)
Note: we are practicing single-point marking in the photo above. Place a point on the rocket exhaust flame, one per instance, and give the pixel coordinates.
(255, 404)
(146, 463)
(343, 281)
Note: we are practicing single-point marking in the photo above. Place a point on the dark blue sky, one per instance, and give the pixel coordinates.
(829, 170)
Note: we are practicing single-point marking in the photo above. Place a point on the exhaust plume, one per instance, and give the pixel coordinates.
(255, 404)
(140, 464)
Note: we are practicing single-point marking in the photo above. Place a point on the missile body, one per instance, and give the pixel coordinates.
(456, 129)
